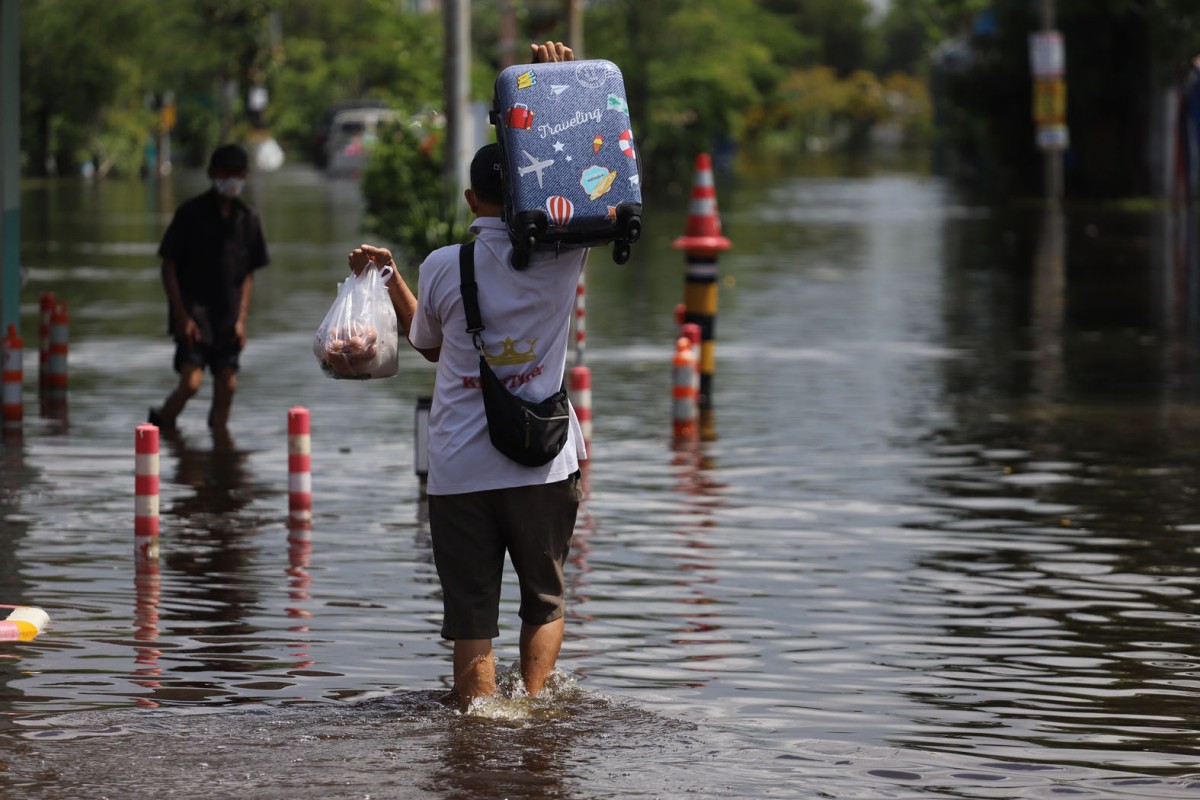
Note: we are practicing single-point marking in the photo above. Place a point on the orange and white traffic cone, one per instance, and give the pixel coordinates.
(702, 244)
(703, 237)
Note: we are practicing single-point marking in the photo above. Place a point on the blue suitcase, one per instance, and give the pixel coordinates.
(567, 158)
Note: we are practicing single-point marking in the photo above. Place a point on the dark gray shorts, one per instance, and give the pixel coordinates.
(215, 357)
(471, 533)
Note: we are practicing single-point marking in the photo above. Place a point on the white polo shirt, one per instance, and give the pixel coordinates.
(527, 319)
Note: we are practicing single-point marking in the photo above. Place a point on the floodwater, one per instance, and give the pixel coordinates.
(941, 539)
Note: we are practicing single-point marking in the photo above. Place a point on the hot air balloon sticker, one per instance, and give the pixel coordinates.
(560, 209)
(597, 143)
(626, 143)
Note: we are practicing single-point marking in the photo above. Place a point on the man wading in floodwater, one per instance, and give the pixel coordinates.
(209, 253)
(481, 503)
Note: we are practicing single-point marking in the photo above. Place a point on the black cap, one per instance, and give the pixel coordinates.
(485, 174)
(229, 158)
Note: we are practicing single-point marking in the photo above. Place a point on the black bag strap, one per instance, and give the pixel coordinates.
(470, 296)
(470, 293)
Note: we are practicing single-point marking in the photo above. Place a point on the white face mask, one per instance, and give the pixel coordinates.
(229, 187)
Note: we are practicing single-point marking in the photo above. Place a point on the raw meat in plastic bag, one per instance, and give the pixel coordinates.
(358, 339)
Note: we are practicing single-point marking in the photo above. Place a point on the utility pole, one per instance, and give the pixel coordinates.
(10, 164)
(508, 35)
(457, 93)
(575, 27)
(1048, 65)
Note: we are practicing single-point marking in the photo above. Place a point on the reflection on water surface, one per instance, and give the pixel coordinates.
(943, 543)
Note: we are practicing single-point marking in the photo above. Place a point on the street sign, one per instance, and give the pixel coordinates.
(1047, 58)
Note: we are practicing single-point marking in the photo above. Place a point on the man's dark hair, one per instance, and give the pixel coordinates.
(485, 175)
(229, 158)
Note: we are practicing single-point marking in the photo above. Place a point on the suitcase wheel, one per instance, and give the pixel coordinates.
(527, 228)
(621, 251)
(629, 221)
(531, 225)
(634, 230)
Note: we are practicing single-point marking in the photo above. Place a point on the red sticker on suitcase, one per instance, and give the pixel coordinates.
(560, 209)
(520, 117)
(626, 143)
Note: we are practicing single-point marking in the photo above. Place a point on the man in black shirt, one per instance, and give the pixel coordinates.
(209, 254)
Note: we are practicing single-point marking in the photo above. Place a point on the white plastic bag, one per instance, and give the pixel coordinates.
(358, 339)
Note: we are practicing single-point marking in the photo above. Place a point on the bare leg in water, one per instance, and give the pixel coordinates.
(474, 670)
(475, 663)
(539, 652)
(190, 378)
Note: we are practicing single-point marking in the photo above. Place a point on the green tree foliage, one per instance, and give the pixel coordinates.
(93, 72)
(78, 91)
(700, 75)
(408, 202)
(693, 71)
(984, 92)
(839, 27)
(1175, 31)
(336, 51)
(912, 29)
(814, 109)
(227, 50)
(696, 75)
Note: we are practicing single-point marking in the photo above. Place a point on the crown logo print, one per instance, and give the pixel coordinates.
(509, 354)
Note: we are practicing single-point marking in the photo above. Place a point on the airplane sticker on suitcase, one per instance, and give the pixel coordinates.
(568, 159)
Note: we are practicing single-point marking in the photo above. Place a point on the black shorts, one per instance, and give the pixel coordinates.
(471, 533)
(215, 357)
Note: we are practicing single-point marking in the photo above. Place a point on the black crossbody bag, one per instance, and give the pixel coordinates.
(531, 434)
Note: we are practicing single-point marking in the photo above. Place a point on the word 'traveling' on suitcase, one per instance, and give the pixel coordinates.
(567, 157)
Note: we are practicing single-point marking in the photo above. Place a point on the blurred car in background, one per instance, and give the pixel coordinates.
(351, 136)
(322, 131)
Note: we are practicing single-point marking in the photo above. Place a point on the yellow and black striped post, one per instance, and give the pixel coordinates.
(702, 243)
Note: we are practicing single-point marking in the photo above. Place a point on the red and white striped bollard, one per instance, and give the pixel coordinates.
(299, 470)
(581, 401)
(691, 331)
(580, 387)
(13, 404)
(685, 391)
(45, 308)
(580, 319)
(146, 484)
(147, 581)
(60, 322)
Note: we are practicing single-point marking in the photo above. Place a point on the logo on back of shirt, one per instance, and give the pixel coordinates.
(511, 382)
(509, 355)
